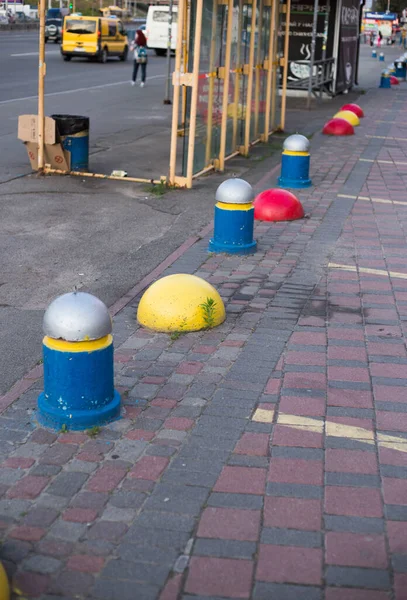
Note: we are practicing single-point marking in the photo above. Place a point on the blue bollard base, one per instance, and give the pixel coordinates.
(232, 248)
(76, 420)
(286, 183)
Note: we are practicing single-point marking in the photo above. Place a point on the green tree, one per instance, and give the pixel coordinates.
(396, 6)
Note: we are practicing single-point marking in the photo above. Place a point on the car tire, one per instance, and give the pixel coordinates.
(103, 56)
(160, 51)
(56, 41)
(45, 40)
(123, 56)
(67, 58)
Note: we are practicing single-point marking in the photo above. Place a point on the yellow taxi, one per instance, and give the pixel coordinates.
(94, 38)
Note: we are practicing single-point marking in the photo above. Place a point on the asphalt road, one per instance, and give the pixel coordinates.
(102, 92)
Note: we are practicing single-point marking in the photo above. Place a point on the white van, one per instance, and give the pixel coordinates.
(157, 28)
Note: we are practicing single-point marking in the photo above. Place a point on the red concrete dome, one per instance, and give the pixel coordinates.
(338, 127)
(277, 205)
(354, 108)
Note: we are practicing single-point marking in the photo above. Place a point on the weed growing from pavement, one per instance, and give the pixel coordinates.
(94, 431)
(64, 428)
(175, 335)
(159, 189)
(208, 309)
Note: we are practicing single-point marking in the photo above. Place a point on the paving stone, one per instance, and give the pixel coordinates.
(224, 548)
(55, 548)
(135, 571)
(107, 530)
(15, 550)
(265, 591)
(124, 515)
(73, 582)
(50, 501)
(355, 524)
(120, 590)
(352, 479)
(67, 484)
(140, 553)
(40, 517)
(58, 454)
(69, 532)
(45, 470)
(219, 577)
(356, 577)
(42, 564)
(13, 509)
(230, 500)
(291, 537)
(162, 538)
(81, 466)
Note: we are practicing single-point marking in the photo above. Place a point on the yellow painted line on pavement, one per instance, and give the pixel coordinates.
(368, 199)
(263, 415)
(299, 422)
(386, 137)
(368, 271)
(383, 162)
(332, 429)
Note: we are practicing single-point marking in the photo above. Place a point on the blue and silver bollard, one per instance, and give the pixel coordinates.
(78, 364)
(381, 57)
(385, 80)
(234, 218)
(295, 163)
(374, 53)
(401, 68)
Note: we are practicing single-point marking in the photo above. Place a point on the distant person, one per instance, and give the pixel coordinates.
(379, 39)
(140, 57)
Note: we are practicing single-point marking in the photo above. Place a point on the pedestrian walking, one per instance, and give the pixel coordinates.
(140, 57)
(379, 39)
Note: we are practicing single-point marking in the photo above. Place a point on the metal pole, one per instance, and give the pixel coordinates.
(182, 8)
(167, 83)
(286, 62)
(225, 100)
(312, 59)
(194, 94)
(249, 94)
(41, 77)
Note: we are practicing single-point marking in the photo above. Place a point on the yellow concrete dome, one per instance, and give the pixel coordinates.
(180, 303)
(4, 585)
(349, 116)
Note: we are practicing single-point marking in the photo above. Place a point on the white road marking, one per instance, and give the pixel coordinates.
(35, 53)
(84, 89)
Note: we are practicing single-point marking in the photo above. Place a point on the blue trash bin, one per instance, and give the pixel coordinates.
(74, 134)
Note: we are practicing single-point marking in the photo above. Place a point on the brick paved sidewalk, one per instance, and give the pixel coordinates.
(264, 459)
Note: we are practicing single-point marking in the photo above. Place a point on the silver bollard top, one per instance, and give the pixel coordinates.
(235, 191)
(77, 317)
(296, 143)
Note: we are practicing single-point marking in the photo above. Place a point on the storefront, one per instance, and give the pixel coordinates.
(334, 26)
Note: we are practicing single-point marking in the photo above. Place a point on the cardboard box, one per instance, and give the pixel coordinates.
(28, 131)
(55, 155)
